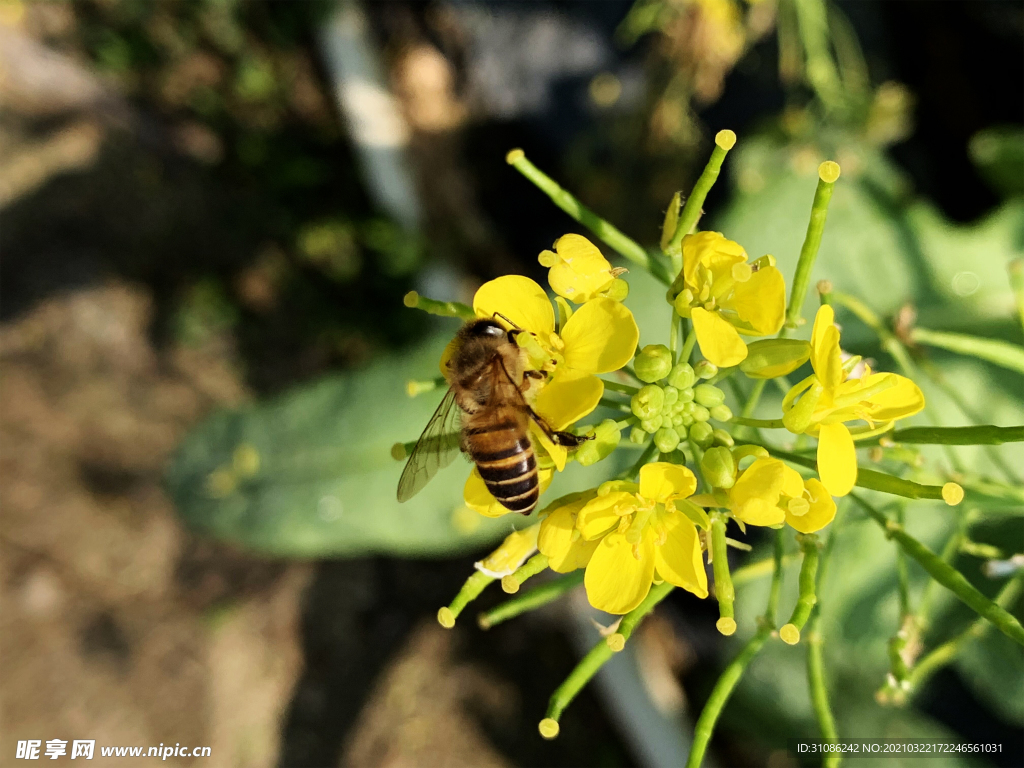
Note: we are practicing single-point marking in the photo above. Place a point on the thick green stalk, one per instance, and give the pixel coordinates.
(945, 653)
(470, 591)
(441, 308)
(527, 570)
(595, 659)
(946, 575)
(828, 173)
(998, 352)
(724, 141)
(759, 423)
(720, 695)
(607, 233)
(819, 690)
(981, 435)
(778, 554)
(1016, 270)
(821, 72)
(531, 599)
(624, 389)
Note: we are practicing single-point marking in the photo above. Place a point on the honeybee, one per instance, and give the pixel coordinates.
(484, 415)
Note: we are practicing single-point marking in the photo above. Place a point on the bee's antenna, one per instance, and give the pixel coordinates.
(498, 314)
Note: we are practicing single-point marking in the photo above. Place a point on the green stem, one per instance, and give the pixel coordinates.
(441, 308)
(720, 695)
(821, 72)
(624, 389)
(531, 599)
(945, 653)
(760, 423)
(980, 435)
(819, 690)
(1000, 353)
(610, 235)
(808, 597)
(471, 589)
(598, 655)
(615, 405)
(949, 551)
(778, 555)
(688, 345)
(946, 575)
(1016, 270)
(724, 591)
(828, 172)
(645, 457)
(724, 141)
(527, 570)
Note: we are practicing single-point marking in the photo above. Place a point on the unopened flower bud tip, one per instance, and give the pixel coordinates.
(548, 728)
(446, 618)
(726, 625)
(790, 634)
(725, 139)
(952, 494)
(514, 155)
(828, 171)
(616, 641)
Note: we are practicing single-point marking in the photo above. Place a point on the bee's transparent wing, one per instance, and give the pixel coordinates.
(436, 448)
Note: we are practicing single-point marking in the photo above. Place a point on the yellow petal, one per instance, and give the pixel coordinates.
(567, 398)
(616, 581)
(582, 271)
(512, 553)
(757, 511)
(600, 337)
(821, 513)
(520, 300)
(837, 459)
(764, 479)
(679, 560)
(556, 534)
(600, 515)
(792, 483)
(446, 356)
(660, 481)
(558, 454)
(761, 301)
(825, 356)
(899, 402)
(718, 340)
(711, 250)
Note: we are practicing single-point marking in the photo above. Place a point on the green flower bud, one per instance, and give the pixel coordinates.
(705, 370)
(654, 362)
(708, 395)
(652, 425)
(682, 302)
(723, 438)
(671, 395)
(719, 467)
(688, 408)
(606, 439)
(677, 420)
(721, 413)
(686, 395)
(687, 420)
(700, 413)
(637, 436)
(666, 439)
(618, 290)
(668, 226)
(648, 402)
(681, 376)
(769, 358)
(702, 434)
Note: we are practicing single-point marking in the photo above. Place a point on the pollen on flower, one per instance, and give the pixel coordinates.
(790, 634)
(726, 625)
(446, 618)
(548, 728)
(952, 494)
(616, 641)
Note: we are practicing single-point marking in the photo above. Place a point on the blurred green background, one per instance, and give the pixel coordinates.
(210, 213)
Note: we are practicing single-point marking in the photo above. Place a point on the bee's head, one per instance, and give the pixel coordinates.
(485, 329)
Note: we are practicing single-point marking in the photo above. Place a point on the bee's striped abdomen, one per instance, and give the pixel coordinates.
(506, 462)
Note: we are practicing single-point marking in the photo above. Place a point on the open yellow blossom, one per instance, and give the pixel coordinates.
(725, 296)
(629, 536)
(578, 270)
(822, 403)
(512, 553)
(769, 492)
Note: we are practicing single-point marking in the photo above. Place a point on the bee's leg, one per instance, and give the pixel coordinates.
(566, 439)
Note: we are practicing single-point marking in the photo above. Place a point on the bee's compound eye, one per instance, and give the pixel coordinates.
(487, 328)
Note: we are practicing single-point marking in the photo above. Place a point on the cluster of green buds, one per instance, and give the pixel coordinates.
(677, 402)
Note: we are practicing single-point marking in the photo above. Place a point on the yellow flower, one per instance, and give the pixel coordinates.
(829, 397)
(578, 270)
(629, 536)
(599, 337)
(769, 492)
(724, 296)
(512, 553)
